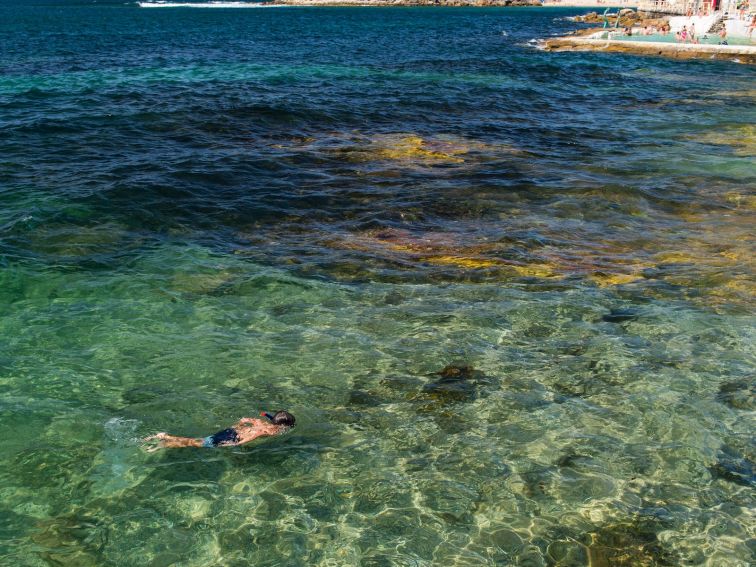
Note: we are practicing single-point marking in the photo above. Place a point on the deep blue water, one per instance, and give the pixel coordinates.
(209, 212)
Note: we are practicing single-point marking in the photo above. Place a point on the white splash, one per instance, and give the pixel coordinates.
(117, 466)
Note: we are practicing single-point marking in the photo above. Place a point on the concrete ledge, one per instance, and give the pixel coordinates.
(739, 53)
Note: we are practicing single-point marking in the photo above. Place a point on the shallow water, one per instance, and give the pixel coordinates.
(207, 213)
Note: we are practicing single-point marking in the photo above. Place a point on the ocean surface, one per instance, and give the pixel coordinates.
(508, 294)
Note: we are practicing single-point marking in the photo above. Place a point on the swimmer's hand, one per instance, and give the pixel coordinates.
(155, 441)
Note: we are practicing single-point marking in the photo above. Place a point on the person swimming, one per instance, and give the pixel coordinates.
(245, 430)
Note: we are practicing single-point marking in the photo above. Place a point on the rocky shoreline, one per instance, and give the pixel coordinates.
(473, 3)
(627, 18)
(598, 39)
(738, 53)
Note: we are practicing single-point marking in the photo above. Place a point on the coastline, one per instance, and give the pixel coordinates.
(589, 4)
(408, 3)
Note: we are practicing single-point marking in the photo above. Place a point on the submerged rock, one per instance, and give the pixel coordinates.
(144, 394)
(71, 539)
(738, 394)
(621, 315)
(627, 545)
(456, 383)
(449, 392)
(733, 467)
(359, 397)
(455, 372)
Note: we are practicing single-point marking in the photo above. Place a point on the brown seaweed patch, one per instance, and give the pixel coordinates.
(604, 279)
(412, 147)
(440, 249)
(603, 263)
(740, 289)
(462, 262)
(741, 138)
(741, 201)
(745, 93)
(409, 148)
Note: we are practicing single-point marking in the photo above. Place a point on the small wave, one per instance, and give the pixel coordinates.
(206, 5)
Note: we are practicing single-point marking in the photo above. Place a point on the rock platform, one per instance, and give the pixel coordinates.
(737, 53)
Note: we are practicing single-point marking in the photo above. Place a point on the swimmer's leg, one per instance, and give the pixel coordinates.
(165, 441)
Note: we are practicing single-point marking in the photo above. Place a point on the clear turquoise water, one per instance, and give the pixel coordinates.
(206, 213)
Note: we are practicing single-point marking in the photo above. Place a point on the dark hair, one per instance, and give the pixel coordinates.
(283, 418)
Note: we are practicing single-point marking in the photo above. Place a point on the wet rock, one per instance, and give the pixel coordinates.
(738, 394)
(627, 17)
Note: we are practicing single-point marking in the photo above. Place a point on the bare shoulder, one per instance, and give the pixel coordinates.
(251, 422)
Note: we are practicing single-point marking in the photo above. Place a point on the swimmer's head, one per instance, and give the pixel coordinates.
(280, 418)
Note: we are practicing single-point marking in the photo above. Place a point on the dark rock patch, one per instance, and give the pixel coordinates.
(632, 544)
(738, 394)
(454, 383)
(734, 467)
(621, 315)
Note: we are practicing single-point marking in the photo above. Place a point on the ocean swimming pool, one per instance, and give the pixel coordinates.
(704, 39)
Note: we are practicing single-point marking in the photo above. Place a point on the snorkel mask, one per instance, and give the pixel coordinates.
(285, 421)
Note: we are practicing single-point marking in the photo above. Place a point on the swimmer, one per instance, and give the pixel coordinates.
(245, 430)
